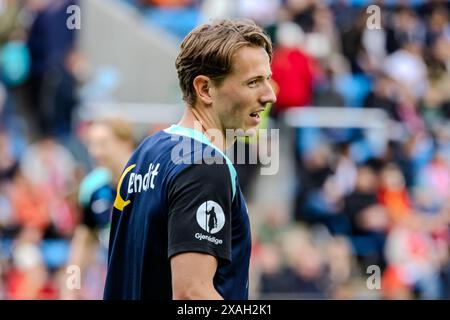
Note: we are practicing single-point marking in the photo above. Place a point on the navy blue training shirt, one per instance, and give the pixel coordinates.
(178, 193)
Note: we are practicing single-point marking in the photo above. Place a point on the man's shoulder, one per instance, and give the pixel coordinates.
(93, 181)
(185, 153)
(156, 145)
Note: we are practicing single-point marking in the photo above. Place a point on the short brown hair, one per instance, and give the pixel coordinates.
(119, 127)
(208, 50)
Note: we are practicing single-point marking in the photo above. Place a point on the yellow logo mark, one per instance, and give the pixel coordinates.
(119, 203)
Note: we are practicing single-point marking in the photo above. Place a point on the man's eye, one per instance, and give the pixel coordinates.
(253, 83)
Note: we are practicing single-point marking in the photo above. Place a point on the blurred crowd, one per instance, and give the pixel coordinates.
(360, 200)
(43, 151)
(363, 199)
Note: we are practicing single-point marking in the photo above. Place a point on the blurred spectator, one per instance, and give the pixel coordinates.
(344, 14)
(383, 96)
(49, 44)
(29, 278)
(302, 275)
(404, 27)
(322, 42)
(49, 163)
(411, 155)
(9, 11)
(270, 263)
(374, 43)
(408, 68)
(436, 102)
(432, 190)
(345, 172)
(59, 96)
(325, 93)
(272, 227)
(352, 45)
(307, 269)
(110, 143)
(31, 204)
(367, 218)
(302, 12)
(318, 199)
(393, 194)
(427, 7)
(50, 168)
(341, 266)
(292, 69)
(438, 25)
(412, 254)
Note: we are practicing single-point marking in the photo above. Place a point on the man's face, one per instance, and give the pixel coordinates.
(102, 145)
(244, 93)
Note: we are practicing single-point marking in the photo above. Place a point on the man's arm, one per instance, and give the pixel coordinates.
(192, 276)
(194, 251)
(82, 249)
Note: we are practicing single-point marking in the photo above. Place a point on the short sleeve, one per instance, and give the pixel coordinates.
(199, 217)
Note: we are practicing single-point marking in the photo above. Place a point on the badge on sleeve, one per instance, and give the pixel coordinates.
(210, 217)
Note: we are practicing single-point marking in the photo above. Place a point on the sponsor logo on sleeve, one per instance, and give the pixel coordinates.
(211, 218)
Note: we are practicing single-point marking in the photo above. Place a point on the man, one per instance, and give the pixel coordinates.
(165, 242)
(212, 221)
(110, 143)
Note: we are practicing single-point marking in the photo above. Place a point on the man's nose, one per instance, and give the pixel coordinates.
(269, 94)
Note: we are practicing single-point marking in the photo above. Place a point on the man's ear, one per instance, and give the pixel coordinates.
(202, 85)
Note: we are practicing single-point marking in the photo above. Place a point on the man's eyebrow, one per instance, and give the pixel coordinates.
(260, 77)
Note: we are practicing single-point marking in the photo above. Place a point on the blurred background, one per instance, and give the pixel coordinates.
(364, 147)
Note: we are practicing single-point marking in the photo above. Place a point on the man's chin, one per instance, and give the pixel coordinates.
(244, 131)
(251, 132)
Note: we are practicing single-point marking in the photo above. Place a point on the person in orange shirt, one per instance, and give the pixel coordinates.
(393, 193)
(31, 205)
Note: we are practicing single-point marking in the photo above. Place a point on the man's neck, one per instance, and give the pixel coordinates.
(199, 119)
